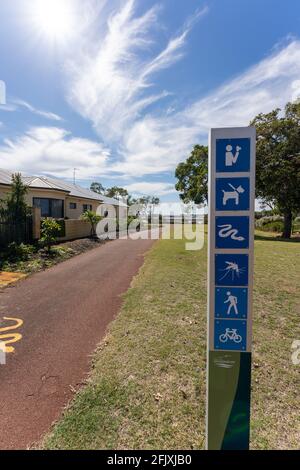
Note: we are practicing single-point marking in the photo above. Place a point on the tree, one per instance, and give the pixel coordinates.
(154, 201)
(278, 161)
(117, 192)
(93, 219)
(15, 205)
(50, 231)
(97, 188)
(131, 201)
(192, 176)
(142, 205)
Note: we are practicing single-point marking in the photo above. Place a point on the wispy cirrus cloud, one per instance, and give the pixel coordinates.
(53, 151)
(17, 103)
(156, 143)
(269, 84)
(110, 83)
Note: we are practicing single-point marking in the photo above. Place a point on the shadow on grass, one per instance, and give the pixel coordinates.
(278, 238)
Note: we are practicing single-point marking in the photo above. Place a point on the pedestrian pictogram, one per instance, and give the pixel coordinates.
(231, 302)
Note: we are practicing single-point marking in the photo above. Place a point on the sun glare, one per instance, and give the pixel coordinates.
(54, 18)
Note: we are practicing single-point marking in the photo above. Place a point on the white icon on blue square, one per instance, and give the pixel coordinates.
(231, 269)
(232, 155)
(231, 302)
(230, 335)
(232, 194)
(232, 232)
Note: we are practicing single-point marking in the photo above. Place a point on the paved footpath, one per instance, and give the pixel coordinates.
(65, 312)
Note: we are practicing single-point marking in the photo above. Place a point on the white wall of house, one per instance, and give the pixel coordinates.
(4, 190)
(113, 211)
(68, 201)
(44, 194)
(74, 207)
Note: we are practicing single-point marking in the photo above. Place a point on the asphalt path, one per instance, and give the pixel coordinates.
(61, 315)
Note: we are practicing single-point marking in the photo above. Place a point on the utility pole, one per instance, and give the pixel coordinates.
(74, 175)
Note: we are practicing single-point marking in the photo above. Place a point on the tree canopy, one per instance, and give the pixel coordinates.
(277, 165)
(97, 188)
(117, 192)
(278, 161)
(15, 204)
(192, 176)
(147, 202)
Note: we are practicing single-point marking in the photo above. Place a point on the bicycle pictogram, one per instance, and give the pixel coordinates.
(230, 335)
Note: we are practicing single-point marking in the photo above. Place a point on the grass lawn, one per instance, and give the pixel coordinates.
(147, 386)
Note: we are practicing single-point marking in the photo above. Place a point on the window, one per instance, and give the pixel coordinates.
(57, 208)
(73, 205)
(87, 207)
(50, 207)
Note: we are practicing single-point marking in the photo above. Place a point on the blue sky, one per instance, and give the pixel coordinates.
(123, 89)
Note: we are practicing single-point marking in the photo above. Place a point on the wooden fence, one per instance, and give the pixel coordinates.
(15, 231)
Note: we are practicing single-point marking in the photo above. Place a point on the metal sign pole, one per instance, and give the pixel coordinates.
(230, 286)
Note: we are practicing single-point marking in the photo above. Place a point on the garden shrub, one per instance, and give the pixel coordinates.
(272, 223)
(19, 252)
(50, 232)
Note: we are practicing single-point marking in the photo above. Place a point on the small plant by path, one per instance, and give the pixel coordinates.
(30, 259)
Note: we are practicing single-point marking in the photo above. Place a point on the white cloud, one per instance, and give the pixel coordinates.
(39, 112)
(267, 85)
(157, 143)
(110, 82)
(53, 151)
(111, 85)
(155, 189)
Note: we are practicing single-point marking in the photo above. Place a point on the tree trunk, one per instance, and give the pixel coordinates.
(288, 222)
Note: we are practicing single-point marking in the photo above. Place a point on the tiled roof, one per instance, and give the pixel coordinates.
(42, 182)
(5, 177)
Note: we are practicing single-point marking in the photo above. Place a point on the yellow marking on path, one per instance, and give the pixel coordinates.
(10, 338)
(9, 278)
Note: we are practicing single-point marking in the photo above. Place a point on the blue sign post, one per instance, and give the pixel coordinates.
(230, 286)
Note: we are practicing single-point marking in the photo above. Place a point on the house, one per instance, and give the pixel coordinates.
(59, 199)
(62, 200)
